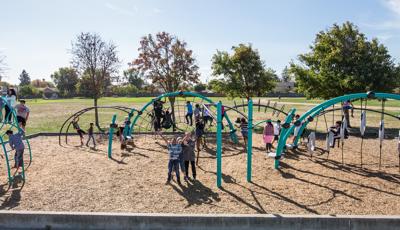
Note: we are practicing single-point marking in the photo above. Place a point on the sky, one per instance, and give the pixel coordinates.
(37, 35)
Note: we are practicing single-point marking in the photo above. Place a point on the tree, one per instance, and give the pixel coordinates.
(133, 77)
(286, 75)
(66, 80)
(98, 59)
(243, 72)
(28, 91)
(167, 62)
(342, 60)
(200, 87)
(216, 85)
(24, 78)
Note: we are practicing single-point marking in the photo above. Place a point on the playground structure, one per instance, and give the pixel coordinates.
(11, 123)
(141, 122)
(322, 109)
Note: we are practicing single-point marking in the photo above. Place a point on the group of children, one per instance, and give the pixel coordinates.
(181, 154)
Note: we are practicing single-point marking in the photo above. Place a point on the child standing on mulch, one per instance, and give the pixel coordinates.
(277, 131)
(91, 136)
(16, 142)
(175, 151)
(268, 135)
(244, 128)
(189, 155)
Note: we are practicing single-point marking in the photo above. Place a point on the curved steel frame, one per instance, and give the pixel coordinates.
(13, 124)
(313, 112)
(183, 94)
(258, 105)
(80, 112)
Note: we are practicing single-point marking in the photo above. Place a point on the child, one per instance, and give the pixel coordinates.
(197, 112)
(22, 113)
(277, 130)
(91, 136)
(268, 135)
(244, 128)
(158, 114)
(348, 105)
(167, 120)
(189, 113)
(175, 151)
(189, 155)
(297, 124)
(207, 116)
(78, 129)
(16, 142)
(199, 132)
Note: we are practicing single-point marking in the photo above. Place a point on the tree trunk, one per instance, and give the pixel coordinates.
(96, 114)
(172, 103)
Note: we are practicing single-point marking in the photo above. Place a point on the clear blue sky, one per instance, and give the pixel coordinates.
(36, 35)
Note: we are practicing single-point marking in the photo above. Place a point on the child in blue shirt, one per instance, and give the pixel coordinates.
(189, 113)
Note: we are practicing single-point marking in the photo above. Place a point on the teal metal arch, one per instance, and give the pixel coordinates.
(184, 94)
(4, 139)
(304, 118)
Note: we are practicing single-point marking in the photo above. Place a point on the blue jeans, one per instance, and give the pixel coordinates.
(174, 165)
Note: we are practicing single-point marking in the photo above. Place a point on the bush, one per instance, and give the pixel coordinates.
(123, 91)
(28, 91)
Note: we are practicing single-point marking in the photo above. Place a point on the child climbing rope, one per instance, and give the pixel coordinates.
(16, 142)
(268, 135)
(199, 132)
(167, 120)
(158, 114)
(348, 105)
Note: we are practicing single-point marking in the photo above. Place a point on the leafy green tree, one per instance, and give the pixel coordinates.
(133, 77)
(24, 78)
(341, 61)
(286, 75)
(167, 62)
(243, 73)
(28, 91)
(66, 80)
(124, 90)
(98, 60)
(200, 87)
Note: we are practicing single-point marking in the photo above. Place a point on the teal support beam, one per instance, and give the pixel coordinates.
(110, 135)
(249, 139)
(284, 131)
(219, 145)
(10, 178)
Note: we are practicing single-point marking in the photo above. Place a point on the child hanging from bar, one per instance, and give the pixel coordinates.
(78, 128)
(17, 144)
(268, 135)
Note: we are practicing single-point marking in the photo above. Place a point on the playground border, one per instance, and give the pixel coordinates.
(144, 221)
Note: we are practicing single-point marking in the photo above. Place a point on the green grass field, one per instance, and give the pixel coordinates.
(48, 115)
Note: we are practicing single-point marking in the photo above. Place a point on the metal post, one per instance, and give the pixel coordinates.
(249, 138)
(219, 144)
(110, 136)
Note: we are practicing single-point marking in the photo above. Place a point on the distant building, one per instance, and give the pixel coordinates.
(50, 93)
(284, 87)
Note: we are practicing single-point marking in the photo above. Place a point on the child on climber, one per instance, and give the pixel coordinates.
(16, 142)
